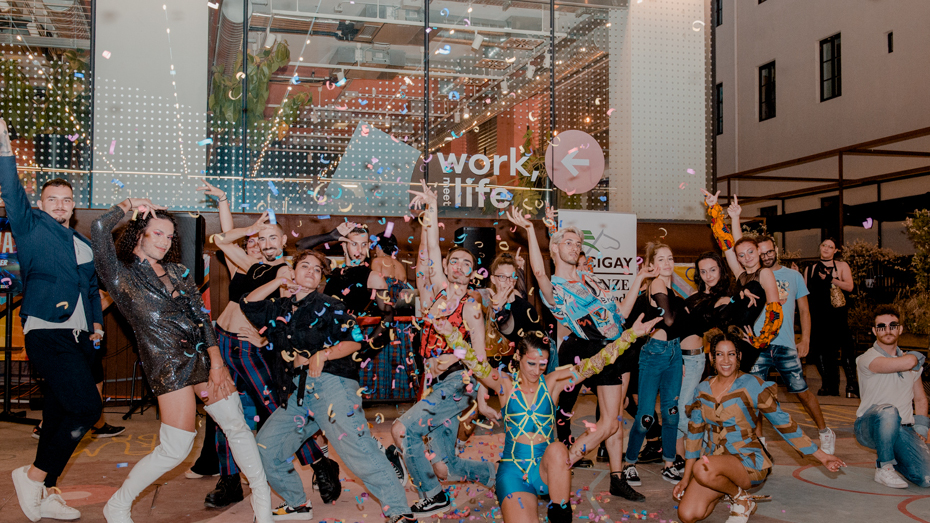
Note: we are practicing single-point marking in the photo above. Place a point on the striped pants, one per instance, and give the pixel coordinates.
(248, 369)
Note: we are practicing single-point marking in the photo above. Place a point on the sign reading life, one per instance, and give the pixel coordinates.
(575, 162)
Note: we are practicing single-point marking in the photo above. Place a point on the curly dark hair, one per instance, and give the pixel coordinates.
(129, 238)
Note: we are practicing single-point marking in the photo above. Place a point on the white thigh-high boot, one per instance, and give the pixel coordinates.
(228, 415)
(174, 446)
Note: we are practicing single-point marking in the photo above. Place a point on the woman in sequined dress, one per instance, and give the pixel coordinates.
(177, 346)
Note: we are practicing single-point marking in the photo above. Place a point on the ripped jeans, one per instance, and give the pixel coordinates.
(659, 374)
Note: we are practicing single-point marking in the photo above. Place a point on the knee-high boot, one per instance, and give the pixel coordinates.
(174, 445)
(229, 416)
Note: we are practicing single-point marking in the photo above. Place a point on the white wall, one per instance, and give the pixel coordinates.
(134, 99)
(882, 94)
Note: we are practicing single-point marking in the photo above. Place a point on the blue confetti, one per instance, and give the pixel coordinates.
(205, 142)
(114, 181)
(274, 190)
(272, 219)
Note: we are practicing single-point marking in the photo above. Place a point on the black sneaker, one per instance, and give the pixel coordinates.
(620, 487)
(326, 479)
(402, 518)
(651, 453)
(435, 505)
(284, 511)
(602, 456)
(679, 465)
(228, 491)
(106, 431)
(632, 476)
(397, 461)
(671, 475)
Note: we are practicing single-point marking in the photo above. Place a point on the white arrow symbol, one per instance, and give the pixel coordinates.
(570, 162)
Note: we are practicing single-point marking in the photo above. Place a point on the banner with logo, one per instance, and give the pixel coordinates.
(610, 242)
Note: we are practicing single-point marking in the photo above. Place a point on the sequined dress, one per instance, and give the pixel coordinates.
(173, 332)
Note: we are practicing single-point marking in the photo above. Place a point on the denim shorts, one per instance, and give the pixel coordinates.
(786, 361)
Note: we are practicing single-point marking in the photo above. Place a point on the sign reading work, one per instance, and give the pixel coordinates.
(610, 242)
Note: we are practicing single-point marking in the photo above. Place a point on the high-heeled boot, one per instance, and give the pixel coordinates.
(228, 415)
(174, 446)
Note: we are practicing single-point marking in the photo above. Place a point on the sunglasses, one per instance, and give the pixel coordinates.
(881, 326)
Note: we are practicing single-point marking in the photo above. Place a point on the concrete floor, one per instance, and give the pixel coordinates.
(801, 491)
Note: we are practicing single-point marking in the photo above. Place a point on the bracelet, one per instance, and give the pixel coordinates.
(98, 331)
(223, 199)
(218, 368)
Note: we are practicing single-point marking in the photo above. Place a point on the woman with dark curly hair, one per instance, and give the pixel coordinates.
(177, 346)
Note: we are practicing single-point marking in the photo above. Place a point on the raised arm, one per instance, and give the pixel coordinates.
(228, 242)
(659, 293)
(734, 210)
(424, 285)
(336, 235)
(430, 223)
(226, 219)
(629, 300)
(18, 208)
(537, 264)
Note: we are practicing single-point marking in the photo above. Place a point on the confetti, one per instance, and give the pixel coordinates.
(205, 142)
(106, 54)
(62, 304)
(122, 465)
(118, 183)
(272, 219)
(454, 95)
(682, 185)
(868, 223)
(274, 190)
(690, 171)
(446, 49)
(390, 230)
(610, 111)
(113, 147)
(697, 25)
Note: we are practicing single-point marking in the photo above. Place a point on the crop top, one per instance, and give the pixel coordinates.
(258, 274)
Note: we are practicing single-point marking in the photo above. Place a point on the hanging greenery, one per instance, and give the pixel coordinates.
(225, 101)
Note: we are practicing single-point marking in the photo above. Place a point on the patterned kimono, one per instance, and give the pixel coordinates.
(731, 424)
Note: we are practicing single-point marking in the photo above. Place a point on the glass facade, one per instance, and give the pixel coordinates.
(343, 105)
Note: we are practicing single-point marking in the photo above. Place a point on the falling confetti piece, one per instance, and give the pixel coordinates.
(610, 111)
(274, 190)
(106, 54)
(697, 25)
(118, 183)
(205, 142)
(682, 185)
(389, 230)
(690, 171)
(272, 219)
(868, 223)
(62, 304)
(446, 49)
(113, 147)
(363, 102)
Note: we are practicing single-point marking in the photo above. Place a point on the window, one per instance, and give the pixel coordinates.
(830, 79)
(717, 12)
(719, 95)
(767, 91)
(890, 42)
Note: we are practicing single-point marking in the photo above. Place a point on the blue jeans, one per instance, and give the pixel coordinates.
(660, 365)
(347, 431)
(786, 361)
(694, 369)
(436, 417)
(880, 429)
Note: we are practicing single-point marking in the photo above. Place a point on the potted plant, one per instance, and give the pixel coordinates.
(225, 104)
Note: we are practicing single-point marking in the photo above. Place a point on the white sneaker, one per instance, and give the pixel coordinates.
(54, 507)
(29, 493)
(889, 477)
(828, 441)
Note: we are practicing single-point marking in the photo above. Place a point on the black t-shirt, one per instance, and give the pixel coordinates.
(350, 285)
(306, 327)
(258, 274)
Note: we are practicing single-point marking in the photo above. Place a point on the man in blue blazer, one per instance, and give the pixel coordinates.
(61, 319)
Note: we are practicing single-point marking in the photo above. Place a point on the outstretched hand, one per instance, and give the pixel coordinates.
(516, 217)
(734, 210)
(144, 206)
(641, 329)
(427, 197)
(259, 224)
(211, 190)
(710, 199)
(831, 462)
(344, 229)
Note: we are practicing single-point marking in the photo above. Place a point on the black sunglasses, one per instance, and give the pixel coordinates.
(882, 326)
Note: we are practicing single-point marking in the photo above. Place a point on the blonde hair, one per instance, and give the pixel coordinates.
(557, 237)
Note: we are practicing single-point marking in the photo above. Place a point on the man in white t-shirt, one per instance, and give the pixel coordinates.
(892, 417)
(782, 353)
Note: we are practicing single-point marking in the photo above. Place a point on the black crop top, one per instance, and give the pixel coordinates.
(672, 309)
(350, 285)
(258, 274)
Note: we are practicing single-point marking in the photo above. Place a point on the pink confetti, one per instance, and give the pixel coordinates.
(294, 233)
(203, 394)
(106, 54)
(682, 185)
(112, 147)
(610, 111)
(389, 230)
(257, 419)
(690, 171)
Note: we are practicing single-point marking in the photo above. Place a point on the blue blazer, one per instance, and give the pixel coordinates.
(52, 279)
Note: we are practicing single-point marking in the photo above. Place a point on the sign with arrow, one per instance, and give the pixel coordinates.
(575, 161)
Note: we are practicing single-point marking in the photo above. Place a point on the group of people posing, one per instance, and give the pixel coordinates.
(294, 335)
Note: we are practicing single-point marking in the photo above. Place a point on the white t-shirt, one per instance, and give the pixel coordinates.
(881, 389)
